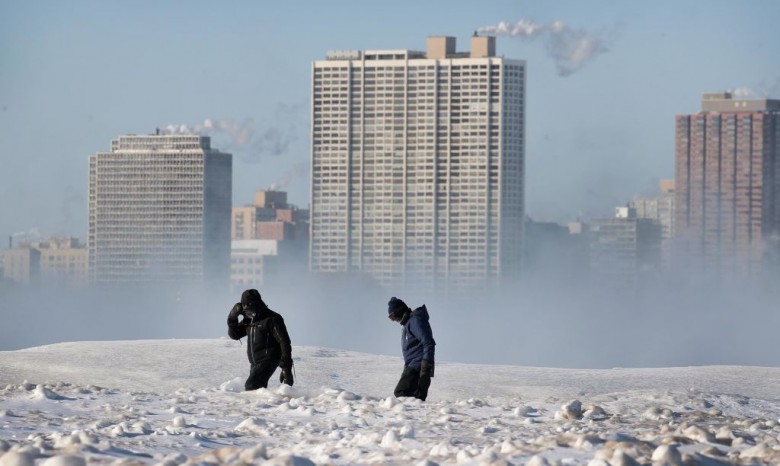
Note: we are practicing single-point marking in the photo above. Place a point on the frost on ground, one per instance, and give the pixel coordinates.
(341, 412)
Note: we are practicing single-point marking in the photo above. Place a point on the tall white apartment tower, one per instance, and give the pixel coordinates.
(159, 211)
(418, 165)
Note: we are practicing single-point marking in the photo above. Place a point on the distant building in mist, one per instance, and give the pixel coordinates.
(418, 165)
(624, 249)
(270, 239)
(22, 264)
(270, 217)
(555, 253)
(56, 261)
(660, 209)
(728, 184)
(159, 211)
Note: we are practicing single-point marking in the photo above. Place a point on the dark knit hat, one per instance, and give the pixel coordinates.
(396, 306)
(251, 297)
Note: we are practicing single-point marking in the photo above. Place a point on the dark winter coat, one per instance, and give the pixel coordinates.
(417, 341)
(267, 338)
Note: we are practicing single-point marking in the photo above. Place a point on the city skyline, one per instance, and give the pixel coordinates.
(604, 84)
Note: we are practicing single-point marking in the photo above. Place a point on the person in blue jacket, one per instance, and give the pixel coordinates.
(417, 346)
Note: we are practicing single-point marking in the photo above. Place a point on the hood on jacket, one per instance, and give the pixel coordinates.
(421, 312)
(252, 303)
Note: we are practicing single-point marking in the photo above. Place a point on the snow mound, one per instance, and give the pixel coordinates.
(234, 385)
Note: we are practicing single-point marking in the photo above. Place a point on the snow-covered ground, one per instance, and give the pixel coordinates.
(181, 401)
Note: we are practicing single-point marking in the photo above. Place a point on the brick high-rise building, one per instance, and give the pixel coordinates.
(418, 165)
(159, 211)
(727, 197)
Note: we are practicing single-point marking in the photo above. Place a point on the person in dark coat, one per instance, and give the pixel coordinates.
(417, 346)
(268, 344)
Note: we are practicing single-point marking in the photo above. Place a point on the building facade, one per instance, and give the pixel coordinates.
(159, 211)
(56, 261)
(418, 165)
(659, 209)
(270, 217)
(64, 261)
(270, 239)
(22, 264)
(624, 250)
(727, 184)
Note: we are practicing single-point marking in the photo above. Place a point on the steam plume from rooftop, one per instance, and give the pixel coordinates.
(243, 137)
(570, 48)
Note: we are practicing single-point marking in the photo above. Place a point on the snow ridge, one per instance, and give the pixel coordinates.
(341, 412)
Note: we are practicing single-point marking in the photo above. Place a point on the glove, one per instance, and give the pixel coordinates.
(286, 376)
(426, 368)
(237, 310)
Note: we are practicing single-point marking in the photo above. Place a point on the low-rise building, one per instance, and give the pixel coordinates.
(624, 249)
(270, 239)
(56, 261)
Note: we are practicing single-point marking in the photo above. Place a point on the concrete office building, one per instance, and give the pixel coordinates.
(728, 184)
(159, 211)
(418, 165)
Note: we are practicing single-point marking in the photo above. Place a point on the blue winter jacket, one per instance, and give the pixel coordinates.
(417, 341)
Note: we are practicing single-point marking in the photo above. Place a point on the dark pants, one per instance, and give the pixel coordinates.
(259, 374)
(411, 384)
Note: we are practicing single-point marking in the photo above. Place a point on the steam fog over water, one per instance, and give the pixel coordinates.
(538, 324)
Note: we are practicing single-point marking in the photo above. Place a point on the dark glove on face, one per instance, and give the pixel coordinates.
(236, 311)
(426, 368)
(286, 376)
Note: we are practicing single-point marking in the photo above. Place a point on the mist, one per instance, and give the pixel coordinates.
(549, 322)
(251, 143)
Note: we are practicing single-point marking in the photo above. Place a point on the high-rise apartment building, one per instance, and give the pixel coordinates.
(728, 184)
(159, 211)
(418, 165)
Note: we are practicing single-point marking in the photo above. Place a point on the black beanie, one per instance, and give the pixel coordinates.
(251, 297)
(396, 306)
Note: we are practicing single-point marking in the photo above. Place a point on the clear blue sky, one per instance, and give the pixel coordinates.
(76, 74)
